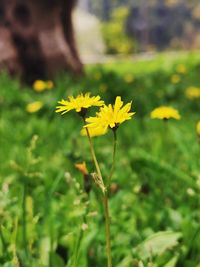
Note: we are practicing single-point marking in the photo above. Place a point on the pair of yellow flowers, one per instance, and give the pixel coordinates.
(109, 116)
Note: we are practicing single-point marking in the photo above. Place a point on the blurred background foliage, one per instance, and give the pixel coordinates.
(147, 25)
(115, 37)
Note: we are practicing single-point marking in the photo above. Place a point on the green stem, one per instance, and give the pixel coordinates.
(107, 223)
(24, 237)
(77, 248)
(51, 242)
(113, 158)
(105, 201)
(3, 242)
(93, 152)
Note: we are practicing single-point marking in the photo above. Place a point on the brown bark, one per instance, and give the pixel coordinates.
(37, 38)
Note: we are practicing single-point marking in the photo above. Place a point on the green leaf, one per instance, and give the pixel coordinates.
(45, 248)
(172, 262)
(157, 244)
(56, 260)
(8, 264)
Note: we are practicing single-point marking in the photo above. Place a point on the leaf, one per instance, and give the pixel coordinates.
(172, 262)
(56, 260)
(126, 262)
(8, 264)
(45, 247)
(157, 244)
(5, 234)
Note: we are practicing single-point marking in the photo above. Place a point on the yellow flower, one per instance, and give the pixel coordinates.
(192, 92)
(181, 69)
(78, 103)
(34, 106)
(39, 85)
(82, 168)
(94, 131)
(198, 128)
(165, 112)
(49, 85)
(110, 116)
(175, 79)
(129, 78)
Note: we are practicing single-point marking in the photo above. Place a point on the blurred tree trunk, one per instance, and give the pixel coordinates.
(37, 38)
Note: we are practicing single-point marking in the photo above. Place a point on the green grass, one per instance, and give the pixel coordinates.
(156, 176)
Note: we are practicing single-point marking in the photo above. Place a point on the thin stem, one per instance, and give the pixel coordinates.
(93, 152)
(113, 158)
(107, 223)
(51, 241)
(77, 248)
(105, 200)
(3, 242)
(24, 218)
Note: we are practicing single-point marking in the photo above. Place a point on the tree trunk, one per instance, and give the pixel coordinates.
(37, 38)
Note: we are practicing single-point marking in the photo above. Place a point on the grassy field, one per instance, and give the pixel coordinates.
(154, 202)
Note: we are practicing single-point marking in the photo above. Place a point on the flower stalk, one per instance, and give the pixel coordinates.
(3, 242)
(105, 200)
(107, 224)
(113, 157)
(24, 228)
(77, 248)
(93, 154)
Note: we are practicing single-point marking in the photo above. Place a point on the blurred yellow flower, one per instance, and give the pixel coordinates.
(39, 85)
(110, 116)
(34, 106)
(175, 78)
(181, 68)
(129, 78)
(192, 92)
(82, 168)
(198, 128)
(49, 84)
(165, 112)
(94, 131)
(79, 103)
